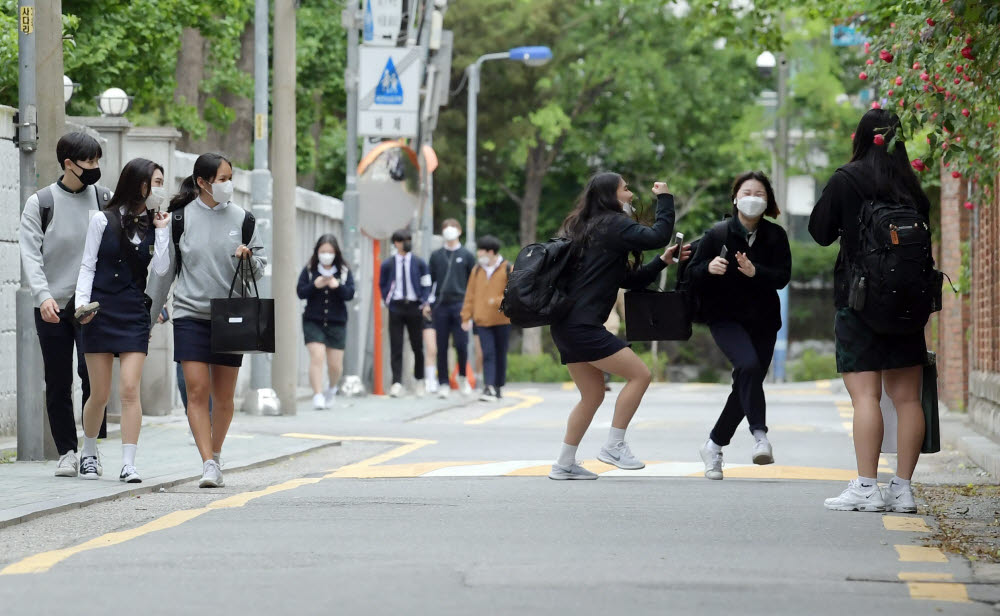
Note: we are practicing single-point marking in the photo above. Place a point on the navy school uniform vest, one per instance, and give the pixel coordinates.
(120, 263)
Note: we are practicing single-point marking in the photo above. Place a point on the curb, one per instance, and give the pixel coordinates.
(959, 434)
(153, 487)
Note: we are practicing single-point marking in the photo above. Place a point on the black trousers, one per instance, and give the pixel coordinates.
(57, 341)
(406, 315)
(448, 321)
(750, 351)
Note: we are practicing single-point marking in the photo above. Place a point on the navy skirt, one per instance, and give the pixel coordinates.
(193, 342)
(579, 342)
(121, 325)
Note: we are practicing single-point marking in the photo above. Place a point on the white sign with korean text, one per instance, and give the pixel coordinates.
(389, 91)
(382, 21)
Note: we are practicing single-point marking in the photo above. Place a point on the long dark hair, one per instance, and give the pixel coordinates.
(598, 199)
(338, 257)
(772, 204)
(138, 172)
(206, 168)
(893, 177)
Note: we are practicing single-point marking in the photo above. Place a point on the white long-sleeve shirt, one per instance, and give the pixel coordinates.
(95, 233)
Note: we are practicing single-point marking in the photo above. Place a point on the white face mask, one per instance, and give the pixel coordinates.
(484, 261)
(157, 195)
(450, 234)
(627, 208)
(326, 258)
(223, 191)
(752, 207)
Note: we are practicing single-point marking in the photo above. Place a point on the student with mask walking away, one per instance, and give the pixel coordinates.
(604, 233)
(868, 357)
(51, 238)
(405, 283)
(123, 241)
(481, 310)
(327, 285)
(736, 271)
(205, 257)
(450, 267)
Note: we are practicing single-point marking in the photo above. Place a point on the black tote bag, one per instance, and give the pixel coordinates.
(657, 315)
(244, 324)
(929, 402)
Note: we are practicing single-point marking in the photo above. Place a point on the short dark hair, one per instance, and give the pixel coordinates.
(488, 242)
(772, 204)
(451, 222)
(77, 146)
(402, 235)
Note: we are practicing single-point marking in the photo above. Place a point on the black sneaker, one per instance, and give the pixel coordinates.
(488, 395)
(129, 475)
(496, 392)
(90, 468)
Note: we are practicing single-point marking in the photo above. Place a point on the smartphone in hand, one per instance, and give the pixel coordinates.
(724, 252)
(679, 239)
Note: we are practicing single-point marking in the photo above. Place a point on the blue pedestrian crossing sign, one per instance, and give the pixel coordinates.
(389, 90)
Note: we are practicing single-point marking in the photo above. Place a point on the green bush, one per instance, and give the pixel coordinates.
(542, 368)
(811, 261)
(813, 367)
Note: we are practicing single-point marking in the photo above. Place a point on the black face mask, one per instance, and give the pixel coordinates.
(407, 246)
(89, 176)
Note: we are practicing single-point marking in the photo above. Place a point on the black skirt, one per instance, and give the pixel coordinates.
(860, 349)
(121, 325)
(579, 342)
(193, 342)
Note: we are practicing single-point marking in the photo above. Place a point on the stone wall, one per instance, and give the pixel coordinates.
(10, 275)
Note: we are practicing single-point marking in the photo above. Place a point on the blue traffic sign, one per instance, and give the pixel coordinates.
(846, 36)
(389, 90)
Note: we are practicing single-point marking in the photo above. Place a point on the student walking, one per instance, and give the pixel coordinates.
(51, 239)
(327, 285)
(603, 234)
(481, 310)
(205, 256)
(405, 284)
(450, 267)
(737, 270)
(122, 242)
(870, 359)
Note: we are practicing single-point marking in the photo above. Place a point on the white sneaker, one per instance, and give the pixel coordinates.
(444, 392)
(319, 402)
(857, 497)
(129, 475)
(621, 456)
(68, 465)
(396, 390)
(762, 453)
(899, 499)
(211, 476)
(464, 387)
(487, 395)
(329, 395)
(90, 467)
(712, 460)
(570, 472)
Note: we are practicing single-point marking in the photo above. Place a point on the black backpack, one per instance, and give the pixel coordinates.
(536, 292)
(177, 229)
(691, 295)
(894, 286)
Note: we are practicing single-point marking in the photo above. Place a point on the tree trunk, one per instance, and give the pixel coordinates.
(237, 140)
(189, 73)
(308, 180)
(535, 170)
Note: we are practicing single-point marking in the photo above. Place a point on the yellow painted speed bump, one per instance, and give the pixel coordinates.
(920, 554)
(907, 524)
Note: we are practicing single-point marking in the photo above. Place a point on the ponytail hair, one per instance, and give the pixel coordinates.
(206, 167)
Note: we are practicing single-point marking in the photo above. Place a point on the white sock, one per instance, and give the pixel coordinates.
(759, 435)
(713, 446)
(615, 436)
(899, 484)
(128, 454)
(430, 373)
(567, 457)
(89, 446)
(867, 482)
(217, 456)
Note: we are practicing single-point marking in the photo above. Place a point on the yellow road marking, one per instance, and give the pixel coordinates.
(920, 554)
(902, 523)
(527, 401)
(792, 428)
(771, 471)
(827, 384)
(568, 386)
(938, 591)
(920, 576)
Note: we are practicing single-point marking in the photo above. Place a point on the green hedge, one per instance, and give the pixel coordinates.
(813, 367)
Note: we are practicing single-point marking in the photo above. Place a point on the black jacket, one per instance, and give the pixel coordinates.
(326, 306)
(603, 268)
(836, 216)
(450, 270)
(752, 302)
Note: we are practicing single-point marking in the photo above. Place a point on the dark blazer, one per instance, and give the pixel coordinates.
(752, 302)
(327, 306)
(420, 276)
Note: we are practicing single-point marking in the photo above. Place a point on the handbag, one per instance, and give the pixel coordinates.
(929, 404)
(243, 324)
(657, 315)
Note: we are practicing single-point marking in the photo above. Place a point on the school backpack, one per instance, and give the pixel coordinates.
(536, 293)
(177, 229)
(894, 286)
(691, 296)
(46, 202)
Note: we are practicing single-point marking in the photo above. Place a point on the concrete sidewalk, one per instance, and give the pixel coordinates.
(166, 456)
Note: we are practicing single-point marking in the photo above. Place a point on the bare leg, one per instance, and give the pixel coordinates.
(590, 382)
(866, 393)
(626, 364)
(316, 352)
(128, 390)
(99, 368)
(223, 390)
(198, 382)
(903, 387)
(334, 365)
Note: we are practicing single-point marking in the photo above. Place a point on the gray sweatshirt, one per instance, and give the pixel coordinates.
(208, 245)
(52, 262)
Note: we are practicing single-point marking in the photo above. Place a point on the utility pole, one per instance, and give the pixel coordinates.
(31, 428)
(356, 341)
(284, 373)
(49, 89)
(781, 190)
(260, 180)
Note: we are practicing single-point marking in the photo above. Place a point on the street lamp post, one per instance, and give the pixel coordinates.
(532, 56)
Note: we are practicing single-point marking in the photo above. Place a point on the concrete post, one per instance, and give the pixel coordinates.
(354, 358)
(49, 88)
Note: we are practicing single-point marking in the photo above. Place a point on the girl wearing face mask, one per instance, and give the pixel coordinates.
(327, 285)
(123, 240)
(739, 300)
(208, 251)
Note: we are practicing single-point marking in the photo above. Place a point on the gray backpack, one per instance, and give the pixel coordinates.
(46, 201)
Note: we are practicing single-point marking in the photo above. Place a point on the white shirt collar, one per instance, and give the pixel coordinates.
(489, 269)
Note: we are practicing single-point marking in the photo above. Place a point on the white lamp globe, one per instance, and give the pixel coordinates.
(114, 102)
(68, 87)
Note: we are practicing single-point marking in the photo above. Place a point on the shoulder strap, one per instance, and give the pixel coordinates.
(45, 203)
(176, 230)
(102, 195)
(249, 222)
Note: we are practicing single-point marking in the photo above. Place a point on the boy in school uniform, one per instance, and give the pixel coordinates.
(405, 283)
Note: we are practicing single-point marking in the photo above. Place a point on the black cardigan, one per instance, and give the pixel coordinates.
(594, 281)
(325, 306)
(752, 302)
